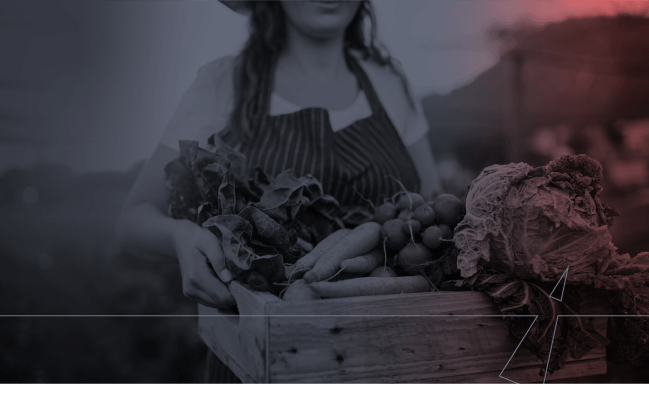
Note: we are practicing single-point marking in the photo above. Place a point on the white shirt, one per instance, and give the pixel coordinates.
(205, 107)
(339, 119)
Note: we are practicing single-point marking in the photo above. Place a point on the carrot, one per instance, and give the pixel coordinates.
(309, 260)
(371, 286)
(361, 240)
(365, 263)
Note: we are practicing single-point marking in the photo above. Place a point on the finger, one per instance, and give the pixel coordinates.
(211, 248)
(214, 253)
(226, 276)
(214, 288)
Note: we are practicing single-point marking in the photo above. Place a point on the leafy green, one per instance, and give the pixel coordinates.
(523, 227)
(258, 218)
(535, 222)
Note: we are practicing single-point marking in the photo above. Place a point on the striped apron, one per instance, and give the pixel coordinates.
(352, 164)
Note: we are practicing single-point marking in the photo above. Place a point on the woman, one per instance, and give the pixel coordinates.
(312, 91)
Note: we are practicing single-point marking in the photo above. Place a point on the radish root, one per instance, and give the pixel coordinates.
(296, 271)
(385, 254)
(361, 195)
(402, 187)
(412, 235)
(339, 271)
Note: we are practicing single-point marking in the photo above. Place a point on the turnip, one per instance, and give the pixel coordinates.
(385, 212)
(413, 257)
(393, 235)
(432, 237)
(449, 210)
(425, 215)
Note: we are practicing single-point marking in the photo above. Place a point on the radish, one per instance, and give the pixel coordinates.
(412, 227)
(447, 232)
(359, 241)
(393, 235)
(432, 237)
(385, 212)
(409, 201)
(406, 214)
(424, 215)
(413, 258)
(449, 210)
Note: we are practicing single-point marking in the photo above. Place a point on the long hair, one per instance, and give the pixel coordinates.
(267, 39)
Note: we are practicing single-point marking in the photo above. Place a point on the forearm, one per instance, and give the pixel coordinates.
(144, 231)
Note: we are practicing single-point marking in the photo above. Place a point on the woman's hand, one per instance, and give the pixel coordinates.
(195, 246)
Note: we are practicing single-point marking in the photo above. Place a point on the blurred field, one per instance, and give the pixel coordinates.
(57, 257)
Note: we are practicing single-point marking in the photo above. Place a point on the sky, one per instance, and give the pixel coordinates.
(92, 84)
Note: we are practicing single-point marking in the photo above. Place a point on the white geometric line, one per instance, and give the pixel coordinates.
(519, 344)
(563, 276)
(509, 380)
(551, 344)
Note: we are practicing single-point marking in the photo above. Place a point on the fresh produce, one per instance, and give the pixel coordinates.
(537, 221)
(385, 212)
(524, 226)
(425, 215)
(447, 233)
(413, 258)
(359, 241)
(449, 210)
(383, 271)
(308, 261)
(406, 215)
(257, 219)
(298, 291)
(432, 237)
(371, 286)
(365, 263)
(411, 227)
(408, 201)
(393, 235)
(519, 229)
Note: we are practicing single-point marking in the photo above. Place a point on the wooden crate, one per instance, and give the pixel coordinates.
(378, 339)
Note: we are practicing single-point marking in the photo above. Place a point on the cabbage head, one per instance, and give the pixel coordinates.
(532, 223)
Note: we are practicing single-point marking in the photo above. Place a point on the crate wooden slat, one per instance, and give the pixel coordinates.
(378, 339)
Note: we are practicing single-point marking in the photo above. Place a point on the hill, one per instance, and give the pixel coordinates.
(578, 71)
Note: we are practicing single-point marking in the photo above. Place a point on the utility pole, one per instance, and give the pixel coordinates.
(514, 145)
